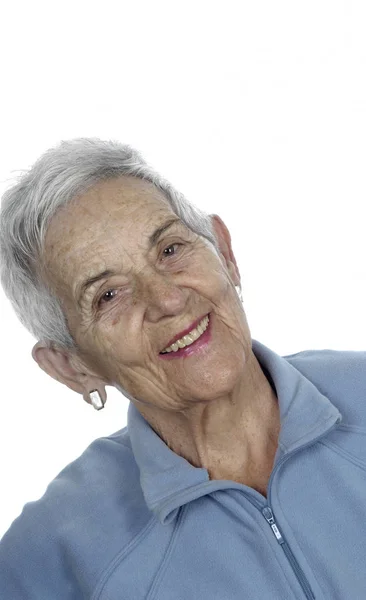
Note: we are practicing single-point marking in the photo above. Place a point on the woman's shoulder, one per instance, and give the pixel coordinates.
(338, 374)
(100, 479)
(93, 506)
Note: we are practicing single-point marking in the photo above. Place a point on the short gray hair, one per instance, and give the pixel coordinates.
(61, 174)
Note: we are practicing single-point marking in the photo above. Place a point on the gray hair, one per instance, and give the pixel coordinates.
(61, 174)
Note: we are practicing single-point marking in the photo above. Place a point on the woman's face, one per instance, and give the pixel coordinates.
(153, 288)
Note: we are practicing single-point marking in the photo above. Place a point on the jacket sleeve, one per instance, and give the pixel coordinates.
(32, 566)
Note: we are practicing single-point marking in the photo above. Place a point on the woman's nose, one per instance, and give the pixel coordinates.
(162, 295)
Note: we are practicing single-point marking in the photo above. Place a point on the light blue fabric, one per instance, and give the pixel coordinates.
(131, 520)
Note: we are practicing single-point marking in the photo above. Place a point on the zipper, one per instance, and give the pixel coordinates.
(268, 515)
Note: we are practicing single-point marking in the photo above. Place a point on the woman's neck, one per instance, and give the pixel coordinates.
(233, 437)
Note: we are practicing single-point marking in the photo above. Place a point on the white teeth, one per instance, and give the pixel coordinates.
(195, 334)
(191, 337)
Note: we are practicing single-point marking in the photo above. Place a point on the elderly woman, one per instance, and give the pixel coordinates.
(241, 473)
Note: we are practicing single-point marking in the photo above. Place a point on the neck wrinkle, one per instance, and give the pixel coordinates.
(244, 449)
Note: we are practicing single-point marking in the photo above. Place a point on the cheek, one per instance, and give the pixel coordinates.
(122, 348)
(215, 279)
(207, 269)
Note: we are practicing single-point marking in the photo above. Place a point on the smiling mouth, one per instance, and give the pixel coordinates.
(192, 336)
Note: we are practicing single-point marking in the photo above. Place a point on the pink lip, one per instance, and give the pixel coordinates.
(185, 331)
(194, 348)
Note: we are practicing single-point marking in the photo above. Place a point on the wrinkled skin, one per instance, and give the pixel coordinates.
(216, 407)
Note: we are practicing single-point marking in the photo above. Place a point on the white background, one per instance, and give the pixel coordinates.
(255, 111)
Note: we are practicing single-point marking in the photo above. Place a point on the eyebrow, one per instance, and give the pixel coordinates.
(153, 238)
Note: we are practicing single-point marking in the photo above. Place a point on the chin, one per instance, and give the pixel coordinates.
(214, 384)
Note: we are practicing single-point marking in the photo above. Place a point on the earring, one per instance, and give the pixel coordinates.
(238, 289)
(96, 399)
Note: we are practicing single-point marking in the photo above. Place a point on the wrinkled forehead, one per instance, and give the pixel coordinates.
(124, 195)
(81, 230)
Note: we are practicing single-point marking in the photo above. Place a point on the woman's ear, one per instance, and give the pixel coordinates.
(224, 243)
(65, 367)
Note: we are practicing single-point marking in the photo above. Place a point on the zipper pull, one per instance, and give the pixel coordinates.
(268, 515)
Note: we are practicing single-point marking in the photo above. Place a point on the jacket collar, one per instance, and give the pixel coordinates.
(168, 480)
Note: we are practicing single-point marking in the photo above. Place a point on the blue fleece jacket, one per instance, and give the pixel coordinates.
(131, 520)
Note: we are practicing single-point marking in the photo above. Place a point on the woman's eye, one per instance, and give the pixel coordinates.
(106, 297)
(169, 248)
